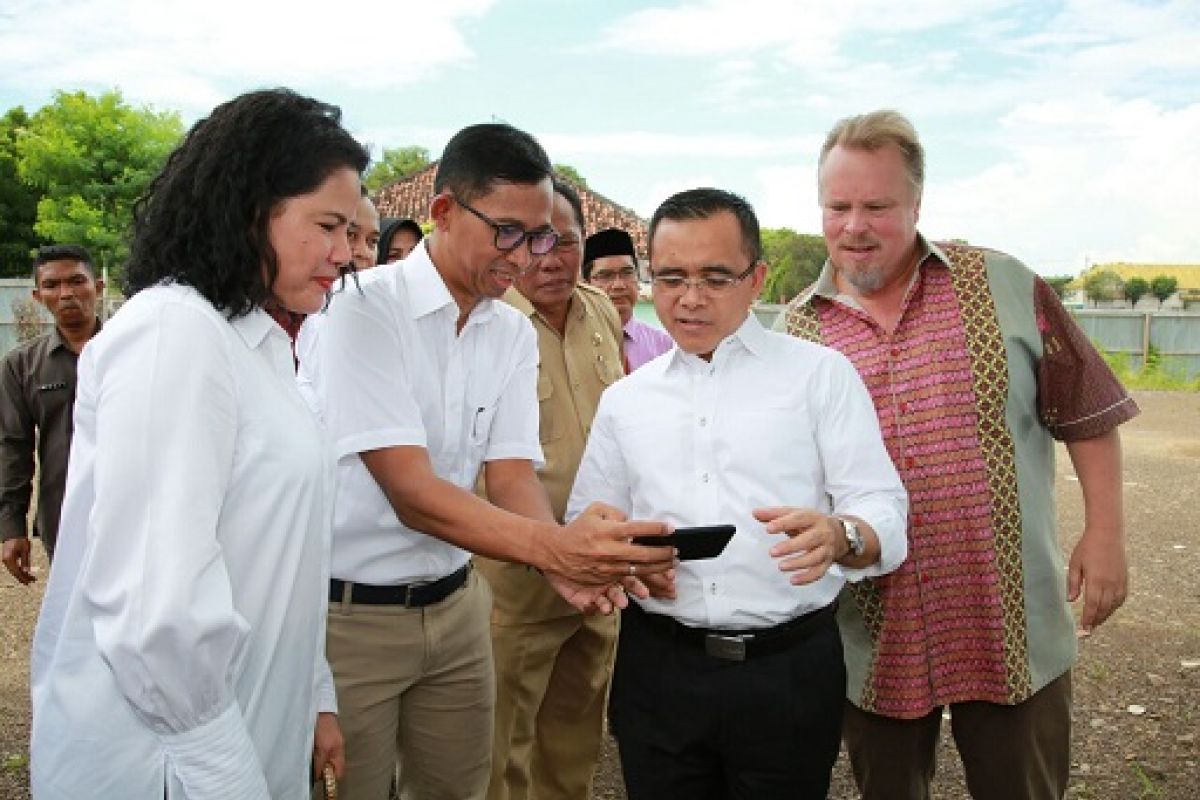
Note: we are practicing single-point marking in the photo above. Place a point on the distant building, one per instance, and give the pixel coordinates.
(1187, 278)
(410, 196)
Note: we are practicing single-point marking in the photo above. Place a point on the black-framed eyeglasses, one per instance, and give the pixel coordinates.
(709, 283)
(607, 277)
(509, 236)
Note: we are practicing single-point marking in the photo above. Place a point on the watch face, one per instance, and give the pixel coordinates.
(854, 538)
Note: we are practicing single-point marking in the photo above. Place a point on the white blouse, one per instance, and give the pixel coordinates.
(181, 640)
(770, 421)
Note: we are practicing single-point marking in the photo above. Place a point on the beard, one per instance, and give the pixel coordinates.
(867, 280)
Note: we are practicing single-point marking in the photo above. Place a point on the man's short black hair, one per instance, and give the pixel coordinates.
(63, 252)
(569, 193)
(707, 202)
(480, 155)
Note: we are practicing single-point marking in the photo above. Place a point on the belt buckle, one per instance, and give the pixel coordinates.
(728, 648)
(408, 595)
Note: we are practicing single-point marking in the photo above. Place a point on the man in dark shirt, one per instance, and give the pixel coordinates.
(37, 394)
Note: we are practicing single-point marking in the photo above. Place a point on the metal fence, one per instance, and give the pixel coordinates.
(1173, 335)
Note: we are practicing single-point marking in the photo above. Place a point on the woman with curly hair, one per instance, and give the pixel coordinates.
(179, 652)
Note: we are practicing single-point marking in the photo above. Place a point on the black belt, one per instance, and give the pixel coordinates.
(411, 595)
(740, 645)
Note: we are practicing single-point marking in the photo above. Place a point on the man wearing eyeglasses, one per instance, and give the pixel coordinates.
(423, 380)
(553, 663)
(610, 264)
(729, 683)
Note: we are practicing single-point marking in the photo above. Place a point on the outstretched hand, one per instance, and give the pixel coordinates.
(595, 549)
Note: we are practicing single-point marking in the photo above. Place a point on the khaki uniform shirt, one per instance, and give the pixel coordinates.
(573, 370)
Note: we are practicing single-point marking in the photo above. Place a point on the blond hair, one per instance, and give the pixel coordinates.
(879, 129)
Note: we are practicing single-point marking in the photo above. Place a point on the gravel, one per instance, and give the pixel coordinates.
(1137, 684)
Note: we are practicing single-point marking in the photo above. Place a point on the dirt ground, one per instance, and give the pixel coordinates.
(1137, 684)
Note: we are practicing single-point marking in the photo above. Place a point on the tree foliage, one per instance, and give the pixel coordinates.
(1103, 285)
(396, 163)
(794, 261)
(1163, 286)
(91, 158)
(1136, 288)
(571, 174)
(1059, 284)
(18, 201)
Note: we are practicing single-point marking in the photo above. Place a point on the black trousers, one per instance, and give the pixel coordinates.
(692, 726)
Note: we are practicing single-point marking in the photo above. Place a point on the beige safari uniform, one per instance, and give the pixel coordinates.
(552, 663)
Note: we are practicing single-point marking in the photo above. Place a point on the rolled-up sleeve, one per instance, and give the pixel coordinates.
(156, 582)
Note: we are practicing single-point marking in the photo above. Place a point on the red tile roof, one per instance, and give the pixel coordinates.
(410, 196)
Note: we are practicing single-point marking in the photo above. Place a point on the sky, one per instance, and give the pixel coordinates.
(1064, 133)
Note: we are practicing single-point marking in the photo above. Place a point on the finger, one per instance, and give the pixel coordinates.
(768, 513)
(800, 543)
(616, 596)
(637, 527)
(817, 557)
(1092, 595)
(786, 520)
(1074, 579)
(637, 587)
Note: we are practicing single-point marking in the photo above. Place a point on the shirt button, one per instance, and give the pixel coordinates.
(895, 351)
(703, 421)
(712, 588)
(704, 477)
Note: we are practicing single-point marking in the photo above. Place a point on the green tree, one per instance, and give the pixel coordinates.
(1163, 286)
(794, 261)
(396, 163)
(91, 158)
(1102, 285)
(571, 174)
(18, 201)
(1135, 289)
(1059, 284)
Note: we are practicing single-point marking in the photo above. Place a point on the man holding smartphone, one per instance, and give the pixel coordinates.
(729, 682)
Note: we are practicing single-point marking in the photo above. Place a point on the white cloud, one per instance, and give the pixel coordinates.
(1091, 179)
(787, 197)
(645, 144)
(188, 54)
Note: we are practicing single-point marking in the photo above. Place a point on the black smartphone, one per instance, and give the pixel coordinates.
(702, 541)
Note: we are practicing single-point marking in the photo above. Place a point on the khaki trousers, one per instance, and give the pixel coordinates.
(551, 689)
(1020, 752)
(415, 684)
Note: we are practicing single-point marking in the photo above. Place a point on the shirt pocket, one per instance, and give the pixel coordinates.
(609, 368)
(550, 424)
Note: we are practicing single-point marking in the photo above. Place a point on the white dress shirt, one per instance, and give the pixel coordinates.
(182, 631)
(385, 368)
(770, 421)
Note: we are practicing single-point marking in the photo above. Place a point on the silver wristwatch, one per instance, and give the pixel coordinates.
(854, 538)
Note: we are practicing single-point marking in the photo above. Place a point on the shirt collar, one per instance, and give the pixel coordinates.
(255, 327)
(577, 308)
(427, 289)
(750, 337)
(825, 287)
(58, 340)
